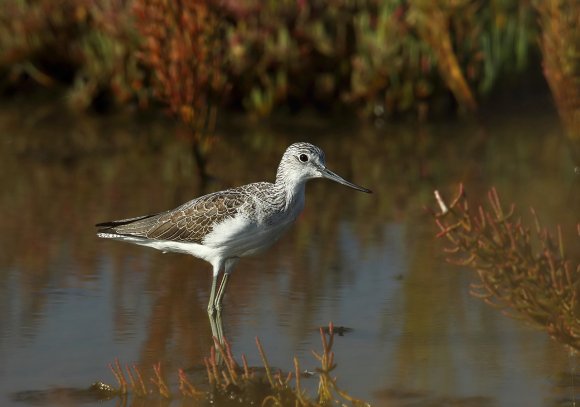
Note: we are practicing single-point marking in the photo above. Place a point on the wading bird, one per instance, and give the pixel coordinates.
(224, 226)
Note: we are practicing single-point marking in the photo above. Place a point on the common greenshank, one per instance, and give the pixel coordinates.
(224, 226)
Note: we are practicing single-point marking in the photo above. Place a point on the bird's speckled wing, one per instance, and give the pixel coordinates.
(188, 223)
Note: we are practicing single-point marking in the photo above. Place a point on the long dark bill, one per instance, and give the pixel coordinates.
(326, 173)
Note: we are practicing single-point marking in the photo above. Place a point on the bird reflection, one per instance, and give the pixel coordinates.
(217, 329)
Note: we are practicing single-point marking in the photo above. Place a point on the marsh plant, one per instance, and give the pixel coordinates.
(560, 47)
(381, 57)
(88, 45)
(232, 382)
(388, 57)
(522, 270)
(180, 46)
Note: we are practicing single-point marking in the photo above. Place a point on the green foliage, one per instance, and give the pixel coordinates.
(89, 45)
(381, 57)
(376, 57)
(113, 68)
(393, 70)
(506, 37)
(286, 52)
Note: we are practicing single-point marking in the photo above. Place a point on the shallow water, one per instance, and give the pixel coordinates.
(71, 303)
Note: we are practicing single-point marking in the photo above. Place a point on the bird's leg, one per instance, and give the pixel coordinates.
(211, 309)
(210, 306)
(220, 293)
(229, 265)
(215, 322)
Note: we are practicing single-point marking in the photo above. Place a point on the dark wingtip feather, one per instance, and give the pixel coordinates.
(121, 222)
(105, 224)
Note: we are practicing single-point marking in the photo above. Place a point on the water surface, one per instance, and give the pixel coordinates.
(71, 303)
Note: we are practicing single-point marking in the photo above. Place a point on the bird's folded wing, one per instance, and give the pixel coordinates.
(187, 223)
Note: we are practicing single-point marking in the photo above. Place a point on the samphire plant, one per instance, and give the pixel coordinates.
(181, 47)
(237, 383)
(523, 271)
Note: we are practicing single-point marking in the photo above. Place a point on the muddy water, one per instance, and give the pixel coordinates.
(71, 303)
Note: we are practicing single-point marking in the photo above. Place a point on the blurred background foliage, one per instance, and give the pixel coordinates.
(379, 58)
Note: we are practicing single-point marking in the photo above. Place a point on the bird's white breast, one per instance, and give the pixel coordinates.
(248, 233)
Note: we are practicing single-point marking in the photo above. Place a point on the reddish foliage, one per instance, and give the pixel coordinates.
(180, 47)
(527, 273)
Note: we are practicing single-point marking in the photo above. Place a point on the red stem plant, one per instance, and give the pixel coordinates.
(230, 381)
(181, 46)
(526, 274)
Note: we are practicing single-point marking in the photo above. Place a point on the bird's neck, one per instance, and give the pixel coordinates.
(291, 187)
(292, 194)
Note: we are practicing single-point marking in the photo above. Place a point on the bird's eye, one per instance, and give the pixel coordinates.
(303, 158)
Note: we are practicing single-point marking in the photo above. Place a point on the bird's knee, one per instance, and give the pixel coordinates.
(211, 309)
